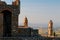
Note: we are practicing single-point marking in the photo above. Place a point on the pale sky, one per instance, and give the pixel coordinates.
(39, 11)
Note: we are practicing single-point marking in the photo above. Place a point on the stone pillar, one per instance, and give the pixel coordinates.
(50, 28)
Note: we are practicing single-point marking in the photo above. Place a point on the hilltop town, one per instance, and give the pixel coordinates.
(9, 29)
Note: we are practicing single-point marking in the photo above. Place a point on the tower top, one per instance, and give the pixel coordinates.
(16, 2)
(25, 17)
(50, 21)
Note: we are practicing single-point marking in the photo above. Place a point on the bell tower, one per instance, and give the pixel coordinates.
(9, 18)
(25, 22)
(50, 28)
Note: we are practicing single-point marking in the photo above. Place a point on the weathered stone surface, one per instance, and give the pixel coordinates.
(14, 11)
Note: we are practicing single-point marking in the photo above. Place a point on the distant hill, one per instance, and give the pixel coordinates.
(44, 26)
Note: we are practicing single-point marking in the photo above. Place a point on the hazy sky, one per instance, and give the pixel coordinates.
(39, 11)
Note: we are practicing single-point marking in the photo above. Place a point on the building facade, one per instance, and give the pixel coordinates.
(9, 17)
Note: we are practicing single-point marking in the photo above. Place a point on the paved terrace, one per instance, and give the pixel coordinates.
(29, 38)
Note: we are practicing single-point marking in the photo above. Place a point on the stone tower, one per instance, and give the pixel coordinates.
(25, 22)
(50, 28)
(17, 2)
(9, 18)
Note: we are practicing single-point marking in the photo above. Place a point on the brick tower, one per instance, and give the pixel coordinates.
(9, 18)
(25, 22)
(50, 28)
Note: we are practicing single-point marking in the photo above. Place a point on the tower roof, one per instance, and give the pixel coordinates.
(50, 21)
(25, 17)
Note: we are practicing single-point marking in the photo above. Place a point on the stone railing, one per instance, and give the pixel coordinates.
(27, 38)
(19, 38)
